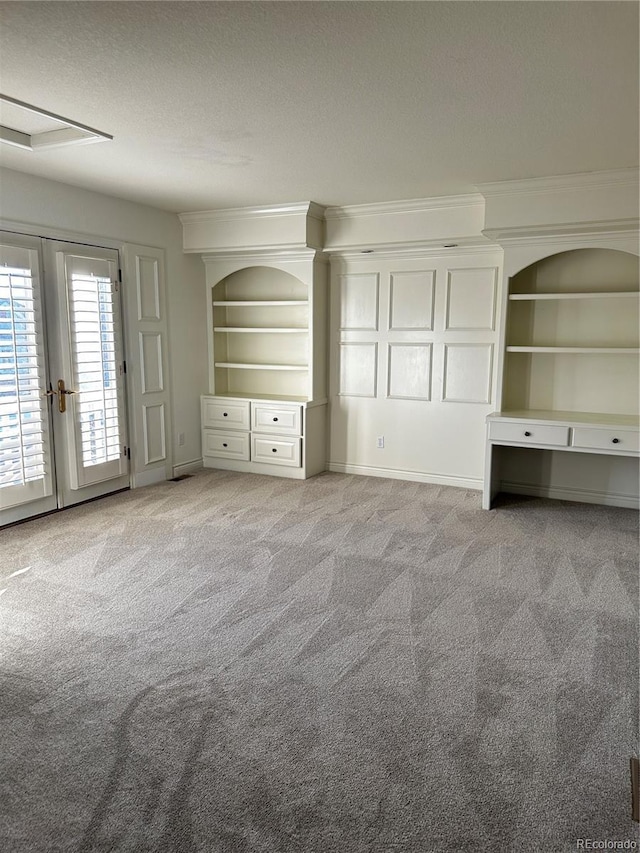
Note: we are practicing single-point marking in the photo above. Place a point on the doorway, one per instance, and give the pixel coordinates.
(63, 425)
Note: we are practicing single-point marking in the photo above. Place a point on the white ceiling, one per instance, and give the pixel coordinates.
(227, 104)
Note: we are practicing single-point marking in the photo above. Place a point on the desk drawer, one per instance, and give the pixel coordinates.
(276, 450)
(229, 445)
(276, 419)
(529, 433)
(225, 414)
(599, 438)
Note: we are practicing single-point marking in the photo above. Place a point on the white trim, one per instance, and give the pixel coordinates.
(567, 494)
(187, 467)
(273, 254)
(603, 229)
(474, 483)
(229, 214)
(64, 236)
(350, 211)
(148, 478)
(552, 183)
(414, 248)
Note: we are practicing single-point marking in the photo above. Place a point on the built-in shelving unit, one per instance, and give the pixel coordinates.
(571, 378)
(572, 334)
(261, 334)
(265, 410)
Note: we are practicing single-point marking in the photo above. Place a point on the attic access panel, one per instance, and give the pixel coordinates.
(31, 128)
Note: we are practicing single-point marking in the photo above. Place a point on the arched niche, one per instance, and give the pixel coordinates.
(260, 283)
(571, 337)
(579, 270)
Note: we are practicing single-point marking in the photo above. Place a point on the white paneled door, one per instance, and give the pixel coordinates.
(63, 434)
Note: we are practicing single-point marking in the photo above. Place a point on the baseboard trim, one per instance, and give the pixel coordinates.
(562, 493)
(141, 479)
(411, 476)
(187, 467)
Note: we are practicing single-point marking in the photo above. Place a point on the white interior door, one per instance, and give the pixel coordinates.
(87, 366)
(63, 427)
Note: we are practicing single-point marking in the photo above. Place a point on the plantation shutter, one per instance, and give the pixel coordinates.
(98, 431)
(25, 450)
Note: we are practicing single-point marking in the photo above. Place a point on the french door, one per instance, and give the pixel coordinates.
(63, 435)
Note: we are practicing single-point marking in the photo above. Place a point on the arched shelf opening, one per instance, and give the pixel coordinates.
(260, 318)
(571, 337)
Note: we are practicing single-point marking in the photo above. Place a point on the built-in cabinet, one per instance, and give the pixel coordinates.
(488, 341)
(266, 407)
(570, 374)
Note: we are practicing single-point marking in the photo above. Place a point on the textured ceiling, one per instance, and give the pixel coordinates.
(226, 104)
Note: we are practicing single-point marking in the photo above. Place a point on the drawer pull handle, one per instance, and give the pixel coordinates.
(275, 419)
(615, 441)
(224, 444)
(225, 415)
(274, 450)
(527, 433)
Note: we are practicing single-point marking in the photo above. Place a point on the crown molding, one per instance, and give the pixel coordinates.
(414, 250)
(273, 254)
(305, 208)
(554, 183)
(564, 230)
(417, 205)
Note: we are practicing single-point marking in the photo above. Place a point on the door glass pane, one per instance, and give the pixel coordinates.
(95, 367)
(25, 467)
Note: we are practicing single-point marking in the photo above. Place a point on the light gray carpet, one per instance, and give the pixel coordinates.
(242, 664)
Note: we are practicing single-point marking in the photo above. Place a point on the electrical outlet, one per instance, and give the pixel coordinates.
(380, 441)
(180, 439)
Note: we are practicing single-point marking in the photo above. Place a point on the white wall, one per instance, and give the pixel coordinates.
(56, 209)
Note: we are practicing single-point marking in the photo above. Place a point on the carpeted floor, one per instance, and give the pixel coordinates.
(243, 664)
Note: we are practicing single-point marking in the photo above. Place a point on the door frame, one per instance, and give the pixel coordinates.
(142, 471)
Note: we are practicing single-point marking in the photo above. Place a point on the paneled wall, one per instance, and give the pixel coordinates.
(413, 362)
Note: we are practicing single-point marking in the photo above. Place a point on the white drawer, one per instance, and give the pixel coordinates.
(599, 438)
(276, 419)
(230, 445)
(225, 413)
(276, 450)
(529, 433)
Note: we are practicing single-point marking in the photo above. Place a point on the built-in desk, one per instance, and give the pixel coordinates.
(573, 432)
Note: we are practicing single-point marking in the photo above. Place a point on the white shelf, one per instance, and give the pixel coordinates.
(260, 303)
(297, 330)
(578, 350)
(529, 297)
(246, 366)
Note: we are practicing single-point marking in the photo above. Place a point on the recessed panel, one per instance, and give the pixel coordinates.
(471, 299)
(358, 370)
(148, 286)
(153, 433)
(359, 301)
(151, 362)
(409, 371)
(467, 373)
(411, 300)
